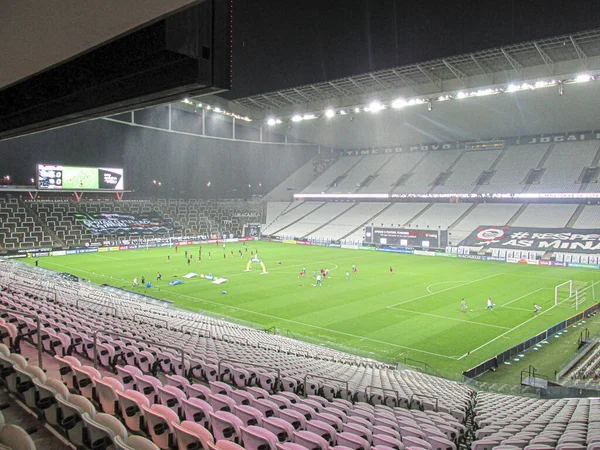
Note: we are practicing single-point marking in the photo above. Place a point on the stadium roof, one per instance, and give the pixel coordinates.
(551, 57)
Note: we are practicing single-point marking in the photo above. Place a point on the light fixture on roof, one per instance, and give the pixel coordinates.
(561, 88)
(375, 106)
(430, 105)
(357, 110)
(343, 112)
(399, 103)
(512, 88)
(297, 118)
(329, 113)
(271, 121)
(583, 78)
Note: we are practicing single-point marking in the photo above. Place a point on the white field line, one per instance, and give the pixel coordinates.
(442, 282)
(509, 331)
(452, 318)
(519, 309)
(444, 290)
(523, 296)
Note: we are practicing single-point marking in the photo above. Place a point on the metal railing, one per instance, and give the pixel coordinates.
(269, 346)
(89, 302)
(314, 375)
(235, 339)
(145, 341)
(244, 363)
(40, 347)
(158, 319)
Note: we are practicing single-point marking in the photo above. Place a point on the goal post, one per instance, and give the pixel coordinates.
(560, 293)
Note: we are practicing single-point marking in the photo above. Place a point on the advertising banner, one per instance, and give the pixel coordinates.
(121, 224)
(252, 229)
(522, 241)
(406, 237)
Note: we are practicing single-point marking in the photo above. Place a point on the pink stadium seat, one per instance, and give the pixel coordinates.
(106, 390)
(160, 420)
(280, 428)
(192, 435)
(256, 438)
(323, 429)
(311, 440)
(221, 402)
(353, 441)
(132, 403)
(226, 426)
(196, 410)
(248, 415)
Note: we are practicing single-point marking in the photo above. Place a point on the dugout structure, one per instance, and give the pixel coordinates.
(258, 261)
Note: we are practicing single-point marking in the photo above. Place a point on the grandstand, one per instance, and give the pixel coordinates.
(125, 370)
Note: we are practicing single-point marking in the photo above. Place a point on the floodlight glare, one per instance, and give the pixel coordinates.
(399, 103)
(343, 112)
(329, 113)
(375, 106)
(297, 118)
(357, 110)
(584, 78)
(461, 95)
(512, 88)
(271, 122)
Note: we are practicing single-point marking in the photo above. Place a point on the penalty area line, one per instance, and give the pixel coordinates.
(512, 329)
(444, 290)
(450, 318)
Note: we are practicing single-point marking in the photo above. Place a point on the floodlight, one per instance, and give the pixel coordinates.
(329, 113)
(297, 118)
(357, 110)
(461, 95)
(583, 78)
(512, 88)
(399, 103)
(343, 112)
(271, 121)
(375, 106)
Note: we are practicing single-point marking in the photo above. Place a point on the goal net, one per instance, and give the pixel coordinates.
(563, 292)
(585, 295)
(574, 294)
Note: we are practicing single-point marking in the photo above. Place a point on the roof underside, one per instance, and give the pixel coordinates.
(544, 58)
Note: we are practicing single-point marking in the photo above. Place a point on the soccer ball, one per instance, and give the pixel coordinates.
(472, 310)
(494, 304)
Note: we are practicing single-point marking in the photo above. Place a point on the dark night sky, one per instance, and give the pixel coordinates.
(285, 43)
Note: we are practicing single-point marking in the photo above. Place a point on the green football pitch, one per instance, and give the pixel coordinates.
(413, 315)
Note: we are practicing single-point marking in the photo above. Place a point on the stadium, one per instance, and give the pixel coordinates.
(401, 258)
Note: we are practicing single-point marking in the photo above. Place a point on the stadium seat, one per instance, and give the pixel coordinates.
(311, 440)
(159, 421)
(257, 438)
(280, 428)
(226, 426)
(71, 413)
(132, 404)
(192, 435)
(15, 437)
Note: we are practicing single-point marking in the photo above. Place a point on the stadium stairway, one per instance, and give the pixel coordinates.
(419, 214)
(545, 157)
(516, 215)
(369, 220)
(39, 222)
(463, 215)
(369, 179)
(329, 221)
(575, 216)
(299, 219)
(342, 176)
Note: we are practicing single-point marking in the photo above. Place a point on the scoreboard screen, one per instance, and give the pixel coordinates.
(79, 178)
